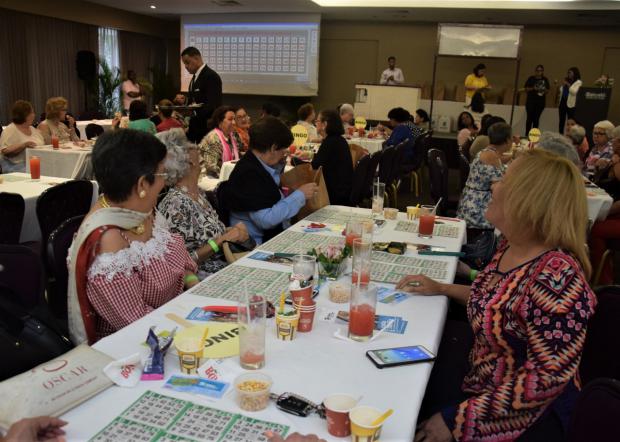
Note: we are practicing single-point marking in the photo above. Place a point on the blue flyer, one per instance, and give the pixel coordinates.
(389, 296)
(205, 387)
(199, 314)
(399, 325)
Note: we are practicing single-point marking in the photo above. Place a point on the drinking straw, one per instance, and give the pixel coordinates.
(281, 311)
(388, 325)
(436, 205)
(247, 301)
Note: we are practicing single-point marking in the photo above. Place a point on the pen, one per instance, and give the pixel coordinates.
(434, 253)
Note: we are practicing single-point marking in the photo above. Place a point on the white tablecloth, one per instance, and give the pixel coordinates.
(372, 145)
(30, 190)
(314, 365)
(599, 203)
(208, 183)
(74, 163)
(81, 125)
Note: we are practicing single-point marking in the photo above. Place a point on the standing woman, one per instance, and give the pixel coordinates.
(476, 82)
(568, 96)
(537, 87)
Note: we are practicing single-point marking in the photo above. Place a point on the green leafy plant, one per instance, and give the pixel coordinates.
(109, 93)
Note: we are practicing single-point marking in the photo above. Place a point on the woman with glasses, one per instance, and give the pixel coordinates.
(536, 87)
(124, 262)
(55, 112)
(600, 154)
(241, 127)
(188, 210)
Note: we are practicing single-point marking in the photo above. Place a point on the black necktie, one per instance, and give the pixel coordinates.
(191, 89)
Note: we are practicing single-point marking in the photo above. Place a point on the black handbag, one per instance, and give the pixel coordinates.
(480, 251)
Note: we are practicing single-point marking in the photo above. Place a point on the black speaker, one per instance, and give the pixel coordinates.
(86, 65)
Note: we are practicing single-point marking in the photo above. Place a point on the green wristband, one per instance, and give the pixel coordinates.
(472, 274)
(190, 278)
(213, 245)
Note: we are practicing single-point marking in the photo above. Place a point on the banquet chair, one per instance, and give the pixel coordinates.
(411, 169)
(600, 357)
(93, 130)
(61, 202)
(596, 412)
(613, 246)
(12, 208)
(438, 172)
(22, 272)
(373, 167)
(393, 184)
(386, 164)
(57, 250)
(359, 178)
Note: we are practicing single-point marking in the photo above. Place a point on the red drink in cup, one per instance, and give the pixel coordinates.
(427, 223)
(55, 142)
(35, 168)
(351, 130)
(350, 237)
(365, 277)
(361, 321)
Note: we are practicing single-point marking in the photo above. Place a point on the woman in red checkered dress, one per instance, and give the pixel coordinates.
(124, 262)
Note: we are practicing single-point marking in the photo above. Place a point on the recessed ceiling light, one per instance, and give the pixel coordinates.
(153, 7)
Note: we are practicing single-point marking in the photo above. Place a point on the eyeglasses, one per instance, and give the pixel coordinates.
(164, 175)
(242, 117)
(599, 133)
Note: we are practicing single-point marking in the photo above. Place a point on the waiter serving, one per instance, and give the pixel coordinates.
(205, 88)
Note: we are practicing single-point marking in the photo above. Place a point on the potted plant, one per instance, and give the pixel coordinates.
(109, 82)
(331, 259)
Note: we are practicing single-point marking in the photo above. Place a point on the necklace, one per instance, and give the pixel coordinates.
(138, 230)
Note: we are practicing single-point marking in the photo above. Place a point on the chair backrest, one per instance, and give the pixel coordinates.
(93, 130)
(463, 171)
(399, 159)
(57, 250)
(420, 149)
(596, 413)
(359, 178)
(357, 152)
(386, 164)
(438, 172)
(600, 357)
(22, 272)
(12, 208)
(375, 159)
(61, 202)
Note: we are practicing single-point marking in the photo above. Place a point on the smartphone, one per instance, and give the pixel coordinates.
(391, 357)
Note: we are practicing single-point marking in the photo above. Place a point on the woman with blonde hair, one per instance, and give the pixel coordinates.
(528, 311)
(55, 113)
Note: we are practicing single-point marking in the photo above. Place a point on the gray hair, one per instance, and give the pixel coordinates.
(560, 145)
(607, 126)
(577, 134)
(177, 162)
(346, 108)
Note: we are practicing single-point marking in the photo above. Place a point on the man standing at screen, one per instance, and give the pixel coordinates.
(205, 88)
(392, 75)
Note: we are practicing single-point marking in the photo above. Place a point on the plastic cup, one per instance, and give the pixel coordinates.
(362, 312)
(412, 212)
(337, 407)
(306, 317)
(378, 193)
(286, 326)
(353, 231)
(362, 252)
(35, 168)
(253, 391)
(390, 213)
(362, 429)
(55, 142)
(304, 267)
(339, 292)
(427, 222)
(252, 314)
(351, 130)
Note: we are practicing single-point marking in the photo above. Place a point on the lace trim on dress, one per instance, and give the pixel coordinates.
(135, 257)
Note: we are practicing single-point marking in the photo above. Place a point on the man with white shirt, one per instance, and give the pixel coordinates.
(392, 75)
(131, 90)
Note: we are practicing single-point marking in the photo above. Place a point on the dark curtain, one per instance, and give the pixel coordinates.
(37, 60)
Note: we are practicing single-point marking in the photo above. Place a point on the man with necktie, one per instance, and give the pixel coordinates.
(205, 88)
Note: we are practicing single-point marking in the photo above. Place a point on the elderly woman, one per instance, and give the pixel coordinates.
(188, 210)
(482, 138)
(346, 115)
(334, 157)
(252, 194)
(599, 157)
(124, 262)
(487, 167)
(559, 145)
(402, 129)
(53, 126)
(307, 115)
(421, 119)
(242, 126)
(528, 311)
(221, 144)
(577, 135)
(17, 137)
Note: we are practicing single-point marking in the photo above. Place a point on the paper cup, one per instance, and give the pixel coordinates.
(286, 326)
(302, 296)
(306, 317)
(361, 420)
(337, 407)
(412, 212)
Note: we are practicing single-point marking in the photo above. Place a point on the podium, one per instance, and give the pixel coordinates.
(592, 106)
(374, 101)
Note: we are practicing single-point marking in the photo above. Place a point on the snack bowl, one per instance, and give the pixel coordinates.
(253, 391)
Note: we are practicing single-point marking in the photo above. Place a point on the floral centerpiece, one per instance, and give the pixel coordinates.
(331, 259)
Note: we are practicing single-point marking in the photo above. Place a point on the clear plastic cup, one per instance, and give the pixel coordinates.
(253, 391)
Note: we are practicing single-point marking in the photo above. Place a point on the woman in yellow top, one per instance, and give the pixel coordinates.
(475, 82)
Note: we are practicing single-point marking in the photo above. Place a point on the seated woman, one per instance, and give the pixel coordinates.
(580, 141)
(17, 137)
(402, 129)
(307, 115)
(559, 145)
(55, 114)
(241, 127)
(482, 138)
(600, 155)
(528, 311)
(139, 118)
(346, 115)
(421, 119)
(486, 168)
(124, 262)
(334, 156)
(188, 210)
(466, 127)
(221, 143)
(252, 194)
(168, 121)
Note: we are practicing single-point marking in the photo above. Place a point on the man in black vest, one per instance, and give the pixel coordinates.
(205, 87)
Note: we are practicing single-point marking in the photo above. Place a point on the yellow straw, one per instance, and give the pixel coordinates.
(282, 302)
(381, 418)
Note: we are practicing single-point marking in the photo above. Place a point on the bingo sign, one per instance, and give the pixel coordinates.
(300, 135)
(360, 123)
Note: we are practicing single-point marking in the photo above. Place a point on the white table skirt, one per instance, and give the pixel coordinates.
(209, 184)
(314, 365)
(74, 163)
(599, 203)
(81, 125)
(372, 145)
(30, 190)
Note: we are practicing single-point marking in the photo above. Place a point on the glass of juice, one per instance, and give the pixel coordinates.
(352, 232)
(362, 311)
(362, 252)
(35, 168)
(378, 192)
(252, 315)
(427, 221)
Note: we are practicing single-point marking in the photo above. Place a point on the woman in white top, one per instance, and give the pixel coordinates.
(55, 112)
(307, 115)
(17, 137)
(568, 96)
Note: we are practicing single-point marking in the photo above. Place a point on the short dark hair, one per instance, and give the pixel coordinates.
(20, 111)
(478, 67)
(165, 112)
(499, 133)
(477, 103)
(191, 51)
(399, 115)
(540, 66)
(391, 57)
(267, 132)
(576, 72)
(423, 115)
(304, 111)
(271, 109)
(487, 121)
(218, 116)
(137, 110)
(333, 122)
(459, 123)
(121, 157)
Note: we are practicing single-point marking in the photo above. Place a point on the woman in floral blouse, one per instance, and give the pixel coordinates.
(221, 144)
(528, 311)
(187, 209)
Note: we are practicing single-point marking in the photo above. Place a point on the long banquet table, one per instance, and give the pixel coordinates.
(314, 364)
(70, 161)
